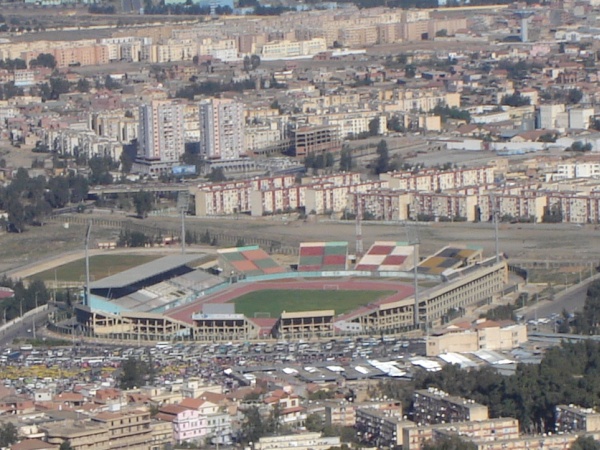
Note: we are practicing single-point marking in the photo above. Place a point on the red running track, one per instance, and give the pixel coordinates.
(184, 312)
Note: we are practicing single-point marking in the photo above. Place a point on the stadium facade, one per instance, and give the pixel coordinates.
(168, 299)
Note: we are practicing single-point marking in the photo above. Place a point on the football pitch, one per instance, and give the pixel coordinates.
(100, 266)
(272, 302)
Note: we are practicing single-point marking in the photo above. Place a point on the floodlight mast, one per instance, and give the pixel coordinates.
(87, 263)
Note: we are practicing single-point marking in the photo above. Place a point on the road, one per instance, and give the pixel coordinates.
(572, 301)
(21, 330)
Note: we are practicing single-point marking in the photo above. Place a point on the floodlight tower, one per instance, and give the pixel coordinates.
(412, 235)
(495, 213)
(359, 213)
(87, 263)
(183, 201)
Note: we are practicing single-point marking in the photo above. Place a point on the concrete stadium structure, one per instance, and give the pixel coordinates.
(200, 309)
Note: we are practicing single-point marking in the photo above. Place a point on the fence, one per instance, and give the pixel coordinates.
(174, 230)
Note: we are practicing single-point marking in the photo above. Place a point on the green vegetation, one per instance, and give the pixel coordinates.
(100, 266)
(275, 301)
(567, 374)
(588, 321)
(24, 298)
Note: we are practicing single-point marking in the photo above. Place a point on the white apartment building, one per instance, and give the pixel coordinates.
(290, 49)
(223, 49)
(577, 169)
(161, 133)
(222, 128)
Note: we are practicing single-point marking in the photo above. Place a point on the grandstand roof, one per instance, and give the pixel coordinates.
(323, 256)
(451, 257)
(140, 273)
(387, 257)
(250, 260)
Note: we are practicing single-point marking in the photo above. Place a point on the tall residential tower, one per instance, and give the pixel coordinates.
(222, 128)
(161, 135)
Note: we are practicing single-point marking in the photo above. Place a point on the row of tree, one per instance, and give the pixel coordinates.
(29, 200)
(25, 297)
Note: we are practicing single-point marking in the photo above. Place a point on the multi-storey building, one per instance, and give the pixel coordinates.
(222, 128)
(316, 140)
(571, 418)
(433, 406)
(380, 425)
(301, 441)
(214, 199)
(161, 134)
(104, 431)
(414, 435)
(486, 335)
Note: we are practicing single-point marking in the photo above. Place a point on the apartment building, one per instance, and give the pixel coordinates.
(186, 423)
(414, 436)
(433, 406)
(114, 124)
(483, 335)
(300, 441)
(328, 198)
(277, 201)
(340, 413)
(67, 141)
(161, 134)
(234, 197)
(432, 180)
(577, 169)
(316, 139)
(221, 49)
(574, 419)
(106, 430)
(222, 128)
(289, 49)
(575, 207)
(380, 425)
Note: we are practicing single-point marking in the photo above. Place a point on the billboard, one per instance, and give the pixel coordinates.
(184, 170)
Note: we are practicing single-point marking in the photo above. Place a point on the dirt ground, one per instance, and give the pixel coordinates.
(539, 242)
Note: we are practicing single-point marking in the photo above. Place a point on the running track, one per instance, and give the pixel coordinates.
(184, 312)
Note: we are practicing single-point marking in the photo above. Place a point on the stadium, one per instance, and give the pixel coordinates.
(247, 294)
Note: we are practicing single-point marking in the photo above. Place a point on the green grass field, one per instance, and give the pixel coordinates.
(100, 266)
(277, 300)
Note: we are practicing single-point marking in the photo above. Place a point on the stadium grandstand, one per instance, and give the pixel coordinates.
(247, 261)
(323, 256)
(169, 299)
(387, 257)
(451, 257)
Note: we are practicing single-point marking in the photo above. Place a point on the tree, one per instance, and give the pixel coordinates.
(441, 33)
(247, 64)
(217, 175)
(58, 193)
(374, 126)
(133, 372)
(314, 423)
(143, 201)
(585, 443)
(8, 434)
(382, 165)
(394, 124)
(83, 85)
(43, 60)
(574, 96)
(410, 71)
(515, 100)
(111, 84)
(253, 427)
(254, 62)
(66, 445)
(346, 160)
